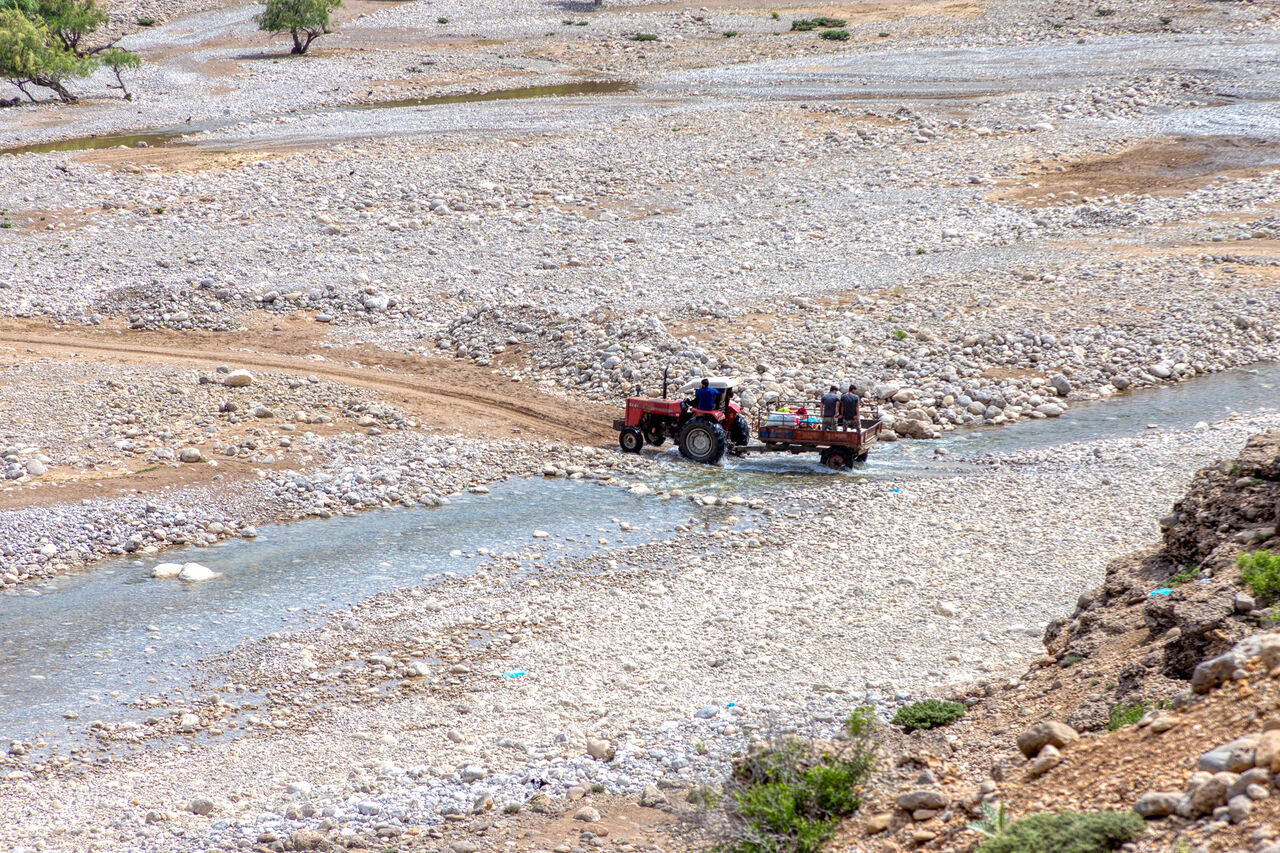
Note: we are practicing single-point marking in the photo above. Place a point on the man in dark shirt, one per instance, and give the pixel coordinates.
(849, 405)
(830, 402)
(705, 397)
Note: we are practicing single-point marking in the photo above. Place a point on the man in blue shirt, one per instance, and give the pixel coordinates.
(705, 397)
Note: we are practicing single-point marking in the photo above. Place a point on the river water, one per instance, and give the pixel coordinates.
(67, 643)
(1166, 407)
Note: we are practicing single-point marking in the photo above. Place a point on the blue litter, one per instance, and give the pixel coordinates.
(513, 673)
(1164, 590)
(895, 491)
(730, 704)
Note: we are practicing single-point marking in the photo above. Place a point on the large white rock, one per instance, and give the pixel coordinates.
(238, 379)
(194, 573)
(166, 570)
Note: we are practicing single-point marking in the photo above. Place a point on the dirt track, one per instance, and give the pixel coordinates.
(441, 396)
(446, 395)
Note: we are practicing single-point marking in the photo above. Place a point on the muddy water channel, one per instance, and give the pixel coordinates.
(75, 649)
(184, 134)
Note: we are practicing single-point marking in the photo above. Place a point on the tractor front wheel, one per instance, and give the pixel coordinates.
(702, 441)
(655, 436)
(836, 458)
(739, 431)
(630, 440)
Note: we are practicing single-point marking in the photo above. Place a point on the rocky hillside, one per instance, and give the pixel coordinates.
(1158, 694)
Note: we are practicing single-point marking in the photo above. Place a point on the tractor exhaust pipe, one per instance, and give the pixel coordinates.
(665, 371)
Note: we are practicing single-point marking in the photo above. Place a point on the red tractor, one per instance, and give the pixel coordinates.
(702, 435)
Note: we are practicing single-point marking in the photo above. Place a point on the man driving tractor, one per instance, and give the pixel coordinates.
(704, 398)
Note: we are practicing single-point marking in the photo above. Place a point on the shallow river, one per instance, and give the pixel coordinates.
(82, 635)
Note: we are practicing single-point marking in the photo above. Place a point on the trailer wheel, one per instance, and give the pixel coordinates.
(702, 441)
(836, 458)
(861, 457)
(630, 440)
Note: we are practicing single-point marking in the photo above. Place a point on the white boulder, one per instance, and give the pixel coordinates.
(195, 573)
(238, 379)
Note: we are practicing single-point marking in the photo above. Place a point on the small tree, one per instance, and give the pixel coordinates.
(28, 58)
(117, 60)
(306, 20)
(71, 21)
(44, 43)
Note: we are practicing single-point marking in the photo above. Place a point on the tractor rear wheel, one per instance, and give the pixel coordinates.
(630, 440)
(739, 431)
(836, 458)
(702, 441)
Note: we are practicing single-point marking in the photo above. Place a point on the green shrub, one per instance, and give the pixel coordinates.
(1261, 572)
(790, 796)
(1066, 832)
(1070, 660)
(993, 822)
(730, 34)
(860, 723)
(900, 334)
(803, 25)
(1126, 715)
(928, 714)
(442, 20)
(1187, 574)
(884, 35)
(1165, 20)
(146, 22)
(644, 37)
(835, 35)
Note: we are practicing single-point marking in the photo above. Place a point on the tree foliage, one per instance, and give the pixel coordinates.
(71, 21)
(305, 20)
(28, 57)
(45, 43)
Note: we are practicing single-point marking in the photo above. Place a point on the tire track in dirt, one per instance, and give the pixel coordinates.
(469, 389)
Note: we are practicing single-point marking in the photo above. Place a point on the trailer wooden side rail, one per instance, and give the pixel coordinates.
(838, 448)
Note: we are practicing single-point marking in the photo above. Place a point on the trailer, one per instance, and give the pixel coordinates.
(788, 426)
